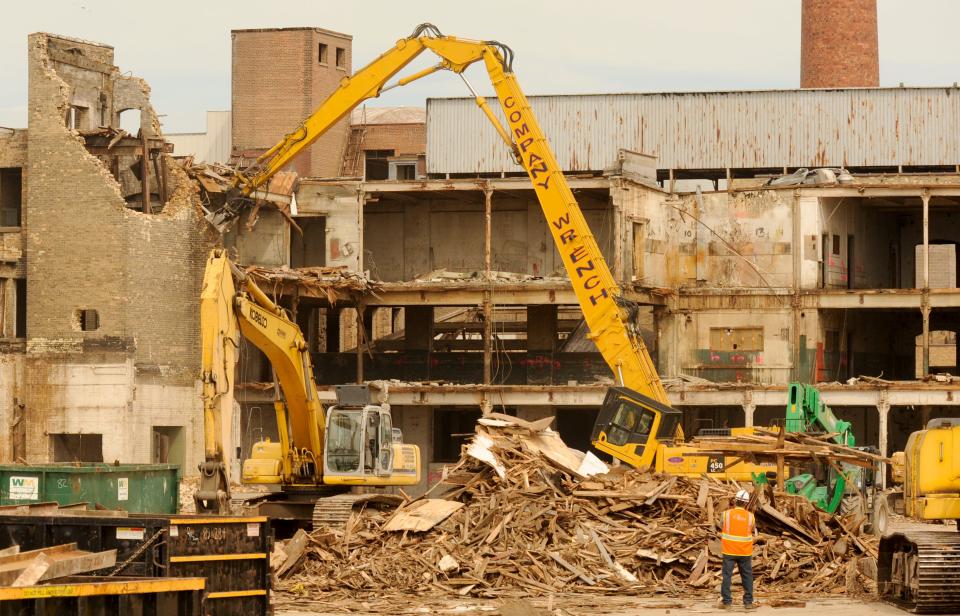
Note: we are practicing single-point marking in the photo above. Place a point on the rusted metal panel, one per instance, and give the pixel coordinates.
(714, 130)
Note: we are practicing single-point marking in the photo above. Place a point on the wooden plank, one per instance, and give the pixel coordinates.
(81, 562)
(293, 550)
(589, 581)
(34, 571)
(703, 493)
(422, 515)
(64, 560)
(18, 556)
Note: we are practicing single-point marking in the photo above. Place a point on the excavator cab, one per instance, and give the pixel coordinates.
(361, 446)
(630, 426)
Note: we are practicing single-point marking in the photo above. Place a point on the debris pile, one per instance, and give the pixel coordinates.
(522, 513)
(223, 200)
(336, 283)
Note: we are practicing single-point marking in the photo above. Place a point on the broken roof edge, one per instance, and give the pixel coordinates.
(576, 182)
(72, 39)
(342, 35)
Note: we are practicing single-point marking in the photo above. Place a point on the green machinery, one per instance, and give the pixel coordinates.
(826, 485)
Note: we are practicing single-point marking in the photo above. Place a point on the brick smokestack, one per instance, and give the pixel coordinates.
(838, 44)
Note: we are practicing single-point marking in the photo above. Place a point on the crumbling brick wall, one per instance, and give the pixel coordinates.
(87, 250)
(278, 80)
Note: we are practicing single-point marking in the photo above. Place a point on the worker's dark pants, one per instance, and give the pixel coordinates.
(745, 565)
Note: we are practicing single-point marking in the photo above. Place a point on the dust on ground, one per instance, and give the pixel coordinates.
(577, 605)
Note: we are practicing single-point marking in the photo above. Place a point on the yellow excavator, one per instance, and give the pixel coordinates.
(919, 570)
(320, 452)
(635, 424)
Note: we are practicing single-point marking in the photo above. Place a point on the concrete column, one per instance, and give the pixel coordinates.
(925, 299)
(749, 408)
(542, 328)
(362, 337)
(883, 411)
(418, 328)
(487, 292)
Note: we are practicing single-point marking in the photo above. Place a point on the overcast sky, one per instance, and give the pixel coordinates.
(562, 46)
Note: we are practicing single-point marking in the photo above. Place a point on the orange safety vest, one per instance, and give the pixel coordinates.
(736, 536)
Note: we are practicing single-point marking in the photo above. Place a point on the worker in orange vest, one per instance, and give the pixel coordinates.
(736, 539)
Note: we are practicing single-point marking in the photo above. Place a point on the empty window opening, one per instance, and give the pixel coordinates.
(943, 353)
(308, 249)
(377, 165)
(11, 196)
(639, 247)
(322, 53)
(77, 447)
(20, 318)
(736, 339)
(452, 428)
(407, 172)
(86, 319)
(341, 57)
(836, 245)
(78, 118)
(169, 445)
(129, 120)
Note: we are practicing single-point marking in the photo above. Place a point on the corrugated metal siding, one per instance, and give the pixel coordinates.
(212, 146)
(715, 130)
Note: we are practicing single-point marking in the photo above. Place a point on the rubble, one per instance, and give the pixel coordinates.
(223, 202)
(337, 283)
(532, 522)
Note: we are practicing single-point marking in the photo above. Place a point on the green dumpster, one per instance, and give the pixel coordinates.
(137, 488)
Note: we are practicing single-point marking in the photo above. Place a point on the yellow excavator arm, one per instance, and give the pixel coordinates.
(365, 450)
(225, 314)
(635, 415)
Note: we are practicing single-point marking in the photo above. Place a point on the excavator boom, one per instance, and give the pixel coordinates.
(639, 409)
(610, 318)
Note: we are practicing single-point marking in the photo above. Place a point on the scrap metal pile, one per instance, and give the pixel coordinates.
(522, 513)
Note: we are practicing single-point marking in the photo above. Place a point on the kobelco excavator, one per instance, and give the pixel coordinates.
(320, 452)
(636, 422)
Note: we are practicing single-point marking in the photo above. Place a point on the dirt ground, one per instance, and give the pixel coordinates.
(574, 605)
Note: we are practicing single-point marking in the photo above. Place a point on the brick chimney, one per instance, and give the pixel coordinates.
(838, 44)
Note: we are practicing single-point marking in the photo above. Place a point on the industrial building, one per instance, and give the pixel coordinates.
(847, 279)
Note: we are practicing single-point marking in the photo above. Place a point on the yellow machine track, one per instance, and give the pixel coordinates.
(920, 571)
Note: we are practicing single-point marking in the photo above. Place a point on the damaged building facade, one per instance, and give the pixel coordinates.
(413, 253)
(844, 278)
(103, 251)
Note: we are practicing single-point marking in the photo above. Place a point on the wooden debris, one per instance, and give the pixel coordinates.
(27, 568)
(540, 529)
(292, 552)
(34, 571)
(422, 515)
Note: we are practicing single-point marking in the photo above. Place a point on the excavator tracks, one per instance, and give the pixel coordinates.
(335, 511)
(920, 571)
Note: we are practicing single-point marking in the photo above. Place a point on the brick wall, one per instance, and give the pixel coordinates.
(838, 46)
(403, 139)
(86, 249)
(278, 80)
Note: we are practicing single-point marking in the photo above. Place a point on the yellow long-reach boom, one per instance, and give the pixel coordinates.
(636, 423)
(636, 415)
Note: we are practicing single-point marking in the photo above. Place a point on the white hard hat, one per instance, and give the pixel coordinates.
(743, 496)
